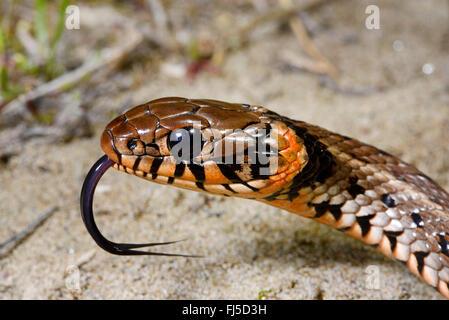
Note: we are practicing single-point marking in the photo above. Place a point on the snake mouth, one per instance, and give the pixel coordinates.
(209, 176)
(232, 179)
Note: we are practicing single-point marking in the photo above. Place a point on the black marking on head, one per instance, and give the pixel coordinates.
(228, 170)
(322, 208)
(344, 229)
(420, 255)
(156, 164)
(354, 189)
(197, 171)
(132, 144)
(269, 128)
(417, 219)
(444, 245)
(152, 145)
(227, 187)
(326, 163)
(320, 165)
(255, 170)
(136, 163)
(388, 200)
(364, 223)
(391, 235)
(170, 180)
(179, 169)
(200, 185)
(250, 187)
(119, 155)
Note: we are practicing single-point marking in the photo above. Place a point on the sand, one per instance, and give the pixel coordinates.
(251, 250)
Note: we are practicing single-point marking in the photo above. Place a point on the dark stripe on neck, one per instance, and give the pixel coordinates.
(320, 166)
(250, 187)
(179, 169)
(200, 185)
(155, 165)
(227, 187)
(197, 171)
(228, 170)
(136, 163)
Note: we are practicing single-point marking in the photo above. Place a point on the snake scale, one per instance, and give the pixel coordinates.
(330, 178)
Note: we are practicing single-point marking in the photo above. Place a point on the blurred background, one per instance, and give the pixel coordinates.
(374, 70)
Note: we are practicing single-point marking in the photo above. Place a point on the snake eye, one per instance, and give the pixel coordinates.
(185, 143)
(132, 144)
(176, 137)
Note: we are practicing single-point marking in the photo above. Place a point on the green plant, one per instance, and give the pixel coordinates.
(17, 67)
(49, 42)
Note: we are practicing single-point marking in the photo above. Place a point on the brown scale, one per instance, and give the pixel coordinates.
(336, 180)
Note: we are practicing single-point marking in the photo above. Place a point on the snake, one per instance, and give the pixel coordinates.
(307, 170)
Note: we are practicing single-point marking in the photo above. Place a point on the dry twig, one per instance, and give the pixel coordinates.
(108, 58)
(318, 62)
(321, 63)
(16, 239)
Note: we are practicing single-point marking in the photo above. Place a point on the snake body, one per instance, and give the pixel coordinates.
(332, 179)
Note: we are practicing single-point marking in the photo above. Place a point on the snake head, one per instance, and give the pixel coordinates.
(207, 145)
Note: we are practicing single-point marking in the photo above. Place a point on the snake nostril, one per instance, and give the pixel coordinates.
(132, 144)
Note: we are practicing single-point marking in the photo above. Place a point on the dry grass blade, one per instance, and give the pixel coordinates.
(236, 40)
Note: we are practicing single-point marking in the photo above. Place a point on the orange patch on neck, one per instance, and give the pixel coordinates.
(293, 157)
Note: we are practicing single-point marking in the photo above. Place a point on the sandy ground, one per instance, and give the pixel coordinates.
(251, 250)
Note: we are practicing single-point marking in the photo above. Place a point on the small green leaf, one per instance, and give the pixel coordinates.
(60, 24)
(263, 293)
(194, 51)
(4, 79)
(2, 41)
